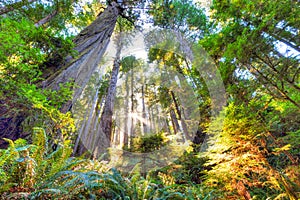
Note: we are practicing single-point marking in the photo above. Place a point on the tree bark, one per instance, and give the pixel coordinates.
(125, 141)
(86, 127)
(175, 123)
(92, 136)
(132, 110)
(90, 44)
(144, 129)
(181, 118)
(104, 133)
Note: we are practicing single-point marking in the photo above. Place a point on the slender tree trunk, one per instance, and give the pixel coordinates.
(144, 124)
(156, 116)
(175, 123)
(167, 128)
(181, 118)
(115, 132)
(125, 141)
(104, 135)
(132, 109)
(151, 119)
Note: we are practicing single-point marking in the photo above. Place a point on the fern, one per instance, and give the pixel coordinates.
(34, 172)
(17, 167)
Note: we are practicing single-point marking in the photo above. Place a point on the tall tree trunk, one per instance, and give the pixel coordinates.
(180, 117)
(175, 123)
(92, 136)
(87, 124)
(125, 132)
(151, 118)
(132, 109)
(156, 116)
(144, 124)
(91, 44)
(104, 133)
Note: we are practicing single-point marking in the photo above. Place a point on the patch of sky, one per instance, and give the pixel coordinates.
(244, 74)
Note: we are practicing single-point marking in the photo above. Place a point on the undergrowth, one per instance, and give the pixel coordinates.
(35, 171)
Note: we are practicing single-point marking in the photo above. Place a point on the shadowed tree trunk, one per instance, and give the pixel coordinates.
(144, 124)
(181, 117)
(132, 134)
(151, 118)
(103, 137)
(156, 115)
(175, 123)
(125, 132)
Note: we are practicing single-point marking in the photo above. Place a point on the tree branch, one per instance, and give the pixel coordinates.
(17, 5)
(46, 19)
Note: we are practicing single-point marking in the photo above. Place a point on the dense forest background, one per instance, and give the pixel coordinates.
(207, 108)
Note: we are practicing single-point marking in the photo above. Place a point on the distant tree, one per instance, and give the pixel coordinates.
(248, 42)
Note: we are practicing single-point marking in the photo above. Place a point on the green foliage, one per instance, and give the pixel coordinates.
(247, 40)
(29, 166)
(166, 57)
(129, 63)
(34, 172)
(238, 155)
(188, 169)
(24, 51)
(252, 152)
(19, 60)
(253, 144)
(137, 187)
(193, 168)
(58, 16)
(148, 143)
(17, 167)
(180, 15)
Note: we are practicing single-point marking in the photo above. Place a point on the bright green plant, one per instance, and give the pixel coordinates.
(24, 60)
(27, 166)
(148, 143)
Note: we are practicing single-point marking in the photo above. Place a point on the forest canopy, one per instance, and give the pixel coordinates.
(149, 99)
